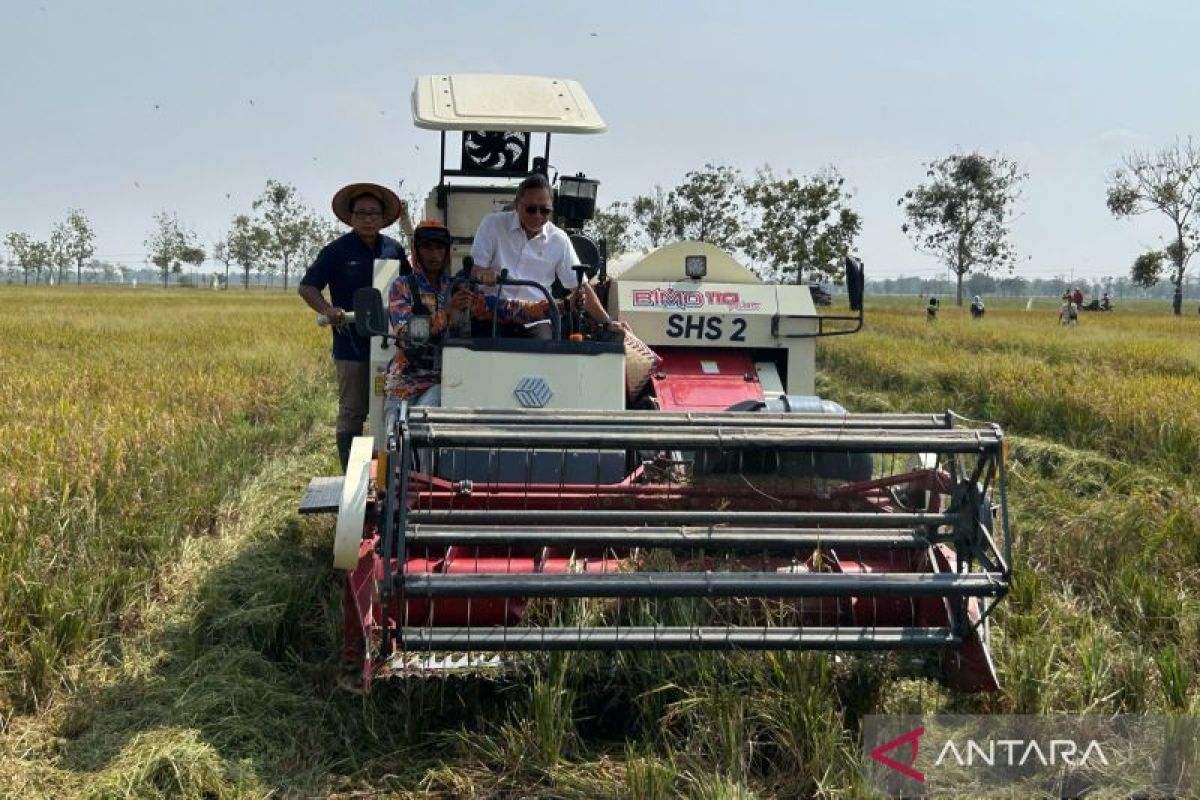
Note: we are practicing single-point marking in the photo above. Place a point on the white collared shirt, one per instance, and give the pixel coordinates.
(500, 243)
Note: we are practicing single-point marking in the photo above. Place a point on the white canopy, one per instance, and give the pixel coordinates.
(473, 102)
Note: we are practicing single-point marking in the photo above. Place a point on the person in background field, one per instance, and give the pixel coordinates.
(526, 243)
(1077, 298)
(931, 310)
(414, 373)
(346, 265)
(977, 309)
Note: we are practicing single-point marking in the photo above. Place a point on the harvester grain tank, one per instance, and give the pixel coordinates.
(567, 496)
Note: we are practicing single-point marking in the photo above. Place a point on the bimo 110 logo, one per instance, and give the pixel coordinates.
(670, 297)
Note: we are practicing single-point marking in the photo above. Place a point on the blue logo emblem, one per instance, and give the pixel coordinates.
(533, 393)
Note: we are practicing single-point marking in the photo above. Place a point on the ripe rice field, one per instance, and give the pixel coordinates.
(169, 627)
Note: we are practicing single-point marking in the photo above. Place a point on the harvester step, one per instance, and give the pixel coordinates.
(676, 638)
(704, 584)
(322, 496)
(676, 538)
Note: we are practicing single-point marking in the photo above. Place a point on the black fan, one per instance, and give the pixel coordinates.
(495, 151)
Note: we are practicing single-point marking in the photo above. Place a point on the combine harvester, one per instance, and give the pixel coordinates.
(708, 502)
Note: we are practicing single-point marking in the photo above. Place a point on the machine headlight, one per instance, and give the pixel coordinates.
(420, 328)
(695, 267)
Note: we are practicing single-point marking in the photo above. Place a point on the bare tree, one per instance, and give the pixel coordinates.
(1168, 182)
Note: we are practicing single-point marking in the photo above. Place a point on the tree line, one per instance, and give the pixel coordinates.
(790, 228)
(796, 228)
(277, 235)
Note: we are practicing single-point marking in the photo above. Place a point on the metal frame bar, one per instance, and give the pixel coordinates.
(644, 437)
(833, 519)
(706, 584)
(663, 419)
(677, 638)
(680, 537)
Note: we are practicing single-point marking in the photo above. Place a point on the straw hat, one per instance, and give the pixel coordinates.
(386, 197)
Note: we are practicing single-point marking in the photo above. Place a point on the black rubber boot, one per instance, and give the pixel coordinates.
(344, 440)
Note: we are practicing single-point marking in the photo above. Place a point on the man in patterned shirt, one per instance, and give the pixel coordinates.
(415, 371)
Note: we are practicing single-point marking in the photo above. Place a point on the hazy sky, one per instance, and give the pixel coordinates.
(124, 109)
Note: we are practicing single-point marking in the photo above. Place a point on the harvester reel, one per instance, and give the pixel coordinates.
(677, 560)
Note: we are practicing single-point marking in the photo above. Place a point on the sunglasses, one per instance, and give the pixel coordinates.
(545, 211)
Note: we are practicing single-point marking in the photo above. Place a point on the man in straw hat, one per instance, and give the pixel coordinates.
(345, 265)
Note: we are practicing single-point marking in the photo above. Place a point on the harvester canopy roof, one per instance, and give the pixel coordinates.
(477, 102)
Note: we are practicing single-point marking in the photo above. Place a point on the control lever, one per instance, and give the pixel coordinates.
(552, 309)
(577, 312)
(460, 320)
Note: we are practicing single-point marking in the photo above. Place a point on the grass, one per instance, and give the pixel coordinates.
(170, 628)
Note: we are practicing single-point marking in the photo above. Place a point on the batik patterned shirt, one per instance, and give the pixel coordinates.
(413, 370)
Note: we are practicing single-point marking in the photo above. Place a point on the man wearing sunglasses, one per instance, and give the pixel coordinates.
(345, 265)
(525, 242)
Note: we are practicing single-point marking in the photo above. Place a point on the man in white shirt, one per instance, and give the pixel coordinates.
(526, 243)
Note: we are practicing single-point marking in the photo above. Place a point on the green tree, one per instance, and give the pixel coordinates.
(29, 254)
(192, 255)
(220, 254)
(60, 258)
(707, 206)
(289, 224)
(961, 213)
(74, 241)
(803, 224)
(614, 226)
(245, 244)
(317, 233)
(171, 245)
(654, 217)
(1168, 182)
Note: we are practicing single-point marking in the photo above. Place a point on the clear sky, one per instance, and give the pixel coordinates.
(124, 109)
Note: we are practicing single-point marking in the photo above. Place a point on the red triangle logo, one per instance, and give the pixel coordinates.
(913, 740)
